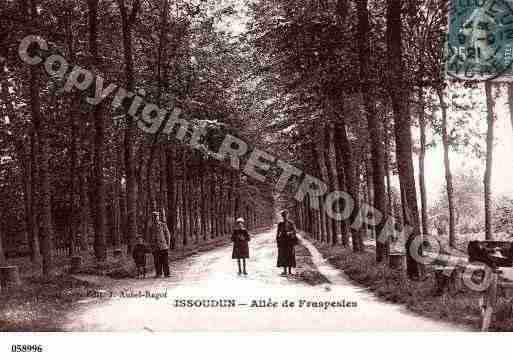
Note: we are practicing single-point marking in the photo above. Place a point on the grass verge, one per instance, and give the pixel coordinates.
(419, 297)
(306, 270)
(41, 304)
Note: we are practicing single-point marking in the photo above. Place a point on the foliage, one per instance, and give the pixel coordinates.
(503, 215)
(182, 57)
(468, 194)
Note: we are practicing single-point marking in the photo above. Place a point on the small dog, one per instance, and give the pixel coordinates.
(139, 255)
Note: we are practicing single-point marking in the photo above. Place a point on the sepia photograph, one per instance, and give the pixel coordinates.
(257, 166)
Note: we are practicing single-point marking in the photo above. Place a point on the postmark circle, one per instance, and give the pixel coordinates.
(479, 43)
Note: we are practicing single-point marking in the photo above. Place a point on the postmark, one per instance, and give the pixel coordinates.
(479, 43)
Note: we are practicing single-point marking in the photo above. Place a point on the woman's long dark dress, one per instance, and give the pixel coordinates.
(240, 239)
(286, 239)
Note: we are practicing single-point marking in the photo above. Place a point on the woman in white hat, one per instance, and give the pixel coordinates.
(240, 239)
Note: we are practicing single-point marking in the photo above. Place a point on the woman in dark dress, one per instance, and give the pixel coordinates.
(240, 239)
(286, 240)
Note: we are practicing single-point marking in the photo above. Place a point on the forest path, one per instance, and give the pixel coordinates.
(212, 275)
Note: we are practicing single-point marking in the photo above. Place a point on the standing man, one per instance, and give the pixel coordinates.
(160, 239)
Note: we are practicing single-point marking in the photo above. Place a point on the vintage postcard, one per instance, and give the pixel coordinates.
(255, 166)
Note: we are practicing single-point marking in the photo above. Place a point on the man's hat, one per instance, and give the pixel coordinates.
(240, 220)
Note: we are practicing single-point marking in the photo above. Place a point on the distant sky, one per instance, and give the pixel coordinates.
(502, 172)
(235, 24)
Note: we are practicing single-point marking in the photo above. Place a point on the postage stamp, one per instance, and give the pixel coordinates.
(480, 40)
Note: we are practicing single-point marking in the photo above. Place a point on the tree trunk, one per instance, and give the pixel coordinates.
(376, 138)
(236, 198)
(196, 207)
(490, 120)
(116, 199)
(72, 222)
(350, 180)
(34, 173)
(100, 248)
(26, 152)
(335, 185)
(184, 200)
(189, 214)
(448, 173)
(203, 207)
(217, 199)
(369, 191)
(212, 203)
(30, 218)
(390, 205)
(229, 204)
(73, 147)
(127, 21)
(160, 84)
(344, 230)
(46, 232)
(3, 259)
(222, 203)
(162, 198)
(402, 126)
(311, 220)
(84, 206)
(510, 102)
(320, 154)
(422, 156)
(171, 196)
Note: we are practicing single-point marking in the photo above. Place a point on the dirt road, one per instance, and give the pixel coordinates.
(219, 299)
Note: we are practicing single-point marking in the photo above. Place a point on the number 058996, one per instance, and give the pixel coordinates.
(26, 348)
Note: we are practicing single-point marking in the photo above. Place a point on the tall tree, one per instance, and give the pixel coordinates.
(41, 131)
(399, 95)
(100, 248)
(26, 153)
(447, 166)
(350, 180)
(422, 157)
(490, 120)
(510, 102)
(128, 19)
(375, 133)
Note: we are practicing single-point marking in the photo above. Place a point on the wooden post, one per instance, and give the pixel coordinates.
(448, 278)
(3, 259)
(117, 254)
(457, 279)
(76, 264)
(441, 279)
(9, 276)
(488, 302)
(396, 260)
